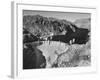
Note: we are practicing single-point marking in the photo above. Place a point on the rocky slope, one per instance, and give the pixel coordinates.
(43, 26)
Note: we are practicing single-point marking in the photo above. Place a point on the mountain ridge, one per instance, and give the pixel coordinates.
(43, 26)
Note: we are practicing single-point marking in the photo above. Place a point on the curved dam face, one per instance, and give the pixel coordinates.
(51, 50)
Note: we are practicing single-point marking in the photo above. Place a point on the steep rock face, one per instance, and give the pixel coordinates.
(79, 37)
(43, 26)
(29, 37)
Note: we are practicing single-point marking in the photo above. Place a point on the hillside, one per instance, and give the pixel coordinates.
(83, 23)
(43, 26)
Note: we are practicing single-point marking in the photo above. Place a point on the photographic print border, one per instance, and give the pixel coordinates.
(17, 61)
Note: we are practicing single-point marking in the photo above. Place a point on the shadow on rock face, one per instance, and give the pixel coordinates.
(80, 35)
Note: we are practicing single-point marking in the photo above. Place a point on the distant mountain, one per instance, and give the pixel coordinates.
(83, 23)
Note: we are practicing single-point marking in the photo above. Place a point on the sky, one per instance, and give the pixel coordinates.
(70, 16)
